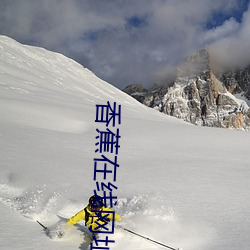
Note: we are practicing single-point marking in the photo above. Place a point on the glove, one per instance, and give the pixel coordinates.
(62, 229)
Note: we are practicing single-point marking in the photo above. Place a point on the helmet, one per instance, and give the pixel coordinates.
(95, 202)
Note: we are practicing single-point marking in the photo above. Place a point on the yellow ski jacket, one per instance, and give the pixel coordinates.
(91, 217)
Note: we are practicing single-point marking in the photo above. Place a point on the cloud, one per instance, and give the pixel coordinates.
(233, 49)
(228, 28)
(121, 41)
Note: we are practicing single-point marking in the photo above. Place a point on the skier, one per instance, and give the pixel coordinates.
(90, 214)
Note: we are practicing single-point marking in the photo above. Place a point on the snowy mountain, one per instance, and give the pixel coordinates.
(182, 185)
(201, 96)
(237, 81)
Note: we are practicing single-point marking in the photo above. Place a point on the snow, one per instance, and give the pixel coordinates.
(182, 185)
(242, 99)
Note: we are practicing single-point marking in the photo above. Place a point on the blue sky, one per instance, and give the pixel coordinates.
(131, 41)
(218, 17)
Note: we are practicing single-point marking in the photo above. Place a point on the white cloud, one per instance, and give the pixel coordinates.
(97, 32)
(228, 28)
(233, 50)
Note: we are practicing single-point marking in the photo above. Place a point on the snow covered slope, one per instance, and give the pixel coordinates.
(182, 185)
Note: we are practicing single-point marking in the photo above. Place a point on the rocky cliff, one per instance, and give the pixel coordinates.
(200, 96)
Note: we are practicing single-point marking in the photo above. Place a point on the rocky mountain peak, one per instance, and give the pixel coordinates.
(196, 64)
(200, 96)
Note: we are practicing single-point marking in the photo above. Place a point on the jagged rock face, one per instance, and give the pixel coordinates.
(199, 97)
(237, 81)
(137, 91)
(133, 88)
(205, 102)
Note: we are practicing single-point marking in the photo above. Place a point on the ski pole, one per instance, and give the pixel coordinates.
(159, 243)
(45, 228)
